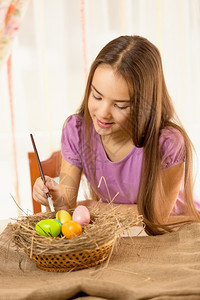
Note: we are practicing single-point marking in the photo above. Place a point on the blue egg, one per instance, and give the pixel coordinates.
(59, 222)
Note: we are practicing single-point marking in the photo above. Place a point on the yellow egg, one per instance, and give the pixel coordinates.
(63, 216)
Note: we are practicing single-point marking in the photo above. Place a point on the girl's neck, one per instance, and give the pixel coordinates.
(117, 147)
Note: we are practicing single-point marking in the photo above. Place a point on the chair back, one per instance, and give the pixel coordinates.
(50, 166)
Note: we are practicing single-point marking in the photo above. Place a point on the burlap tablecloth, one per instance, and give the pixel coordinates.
(160, 267)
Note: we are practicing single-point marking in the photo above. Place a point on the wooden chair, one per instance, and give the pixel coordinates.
(50, 166)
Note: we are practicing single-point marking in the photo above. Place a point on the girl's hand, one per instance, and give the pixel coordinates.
(64, 194)
(55, 190)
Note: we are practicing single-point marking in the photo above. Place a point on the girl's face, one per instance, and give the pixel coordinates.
(109, 102)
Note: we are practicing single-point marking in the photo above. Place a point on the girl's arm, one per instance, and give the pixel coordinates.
(103, 205)
(171, 181)
(70, 177)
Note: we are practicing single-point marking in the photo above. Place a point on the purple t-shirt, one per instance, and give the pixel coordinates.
(123, 176)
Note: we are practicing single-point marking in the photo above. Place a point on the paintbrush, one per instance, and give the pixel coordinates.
(41, 173)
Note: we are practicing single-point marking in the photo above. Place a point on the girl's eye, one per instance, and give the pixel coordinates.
(121, 107)
(96, 98)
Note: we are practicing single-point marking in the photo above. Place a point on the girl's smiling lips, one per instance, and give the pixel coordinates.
(104, 125)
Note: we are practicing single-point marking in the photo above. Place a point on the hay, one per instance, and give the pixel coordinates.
(105, 225)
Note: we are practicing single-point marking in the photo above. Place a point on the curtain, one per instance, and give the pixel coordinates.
(51, 57)
(11, 16)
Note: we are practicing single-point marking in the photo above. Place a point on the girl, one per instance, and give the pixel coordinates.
(126, 131)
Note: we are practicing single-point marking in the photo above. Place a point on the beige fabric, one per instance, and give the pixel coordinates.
(161, 267)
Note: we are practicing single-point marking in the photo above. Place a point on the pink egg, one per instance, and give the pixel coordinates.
(81, 215)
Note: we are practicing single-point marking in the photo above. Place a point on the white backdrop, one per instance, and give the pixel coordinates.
(52, 54)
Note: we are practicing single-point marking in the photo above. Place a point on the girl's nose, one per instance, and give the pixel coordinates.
(104, 110)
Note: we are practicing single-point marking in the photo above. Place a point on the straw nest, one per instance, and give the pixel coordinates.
(60, 254)
(104, 226)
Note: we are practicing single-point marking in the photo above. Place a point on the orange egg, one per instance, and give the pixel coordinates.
(71, 228)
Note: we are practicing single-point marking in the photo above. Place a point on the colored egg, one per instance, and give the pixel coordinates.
(48, 227)
(63, 216)
(71, 229)
(81, 215)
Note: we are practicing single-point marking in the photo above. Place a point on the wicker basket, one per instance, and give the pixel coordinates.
(74, 260)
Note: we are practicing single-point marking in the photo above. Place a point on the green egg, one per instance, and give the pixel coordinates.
(48, 227)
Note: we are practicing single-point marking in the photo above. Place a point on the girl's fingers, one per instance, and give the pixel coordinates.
(40, 190)
(40, 197)
(51, 184)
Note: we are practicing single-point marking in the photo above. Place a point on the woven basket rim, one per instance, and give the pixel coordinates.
(106, 243)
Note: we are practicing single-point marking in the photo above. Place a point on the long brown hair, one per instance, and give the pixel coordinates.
(138, 61)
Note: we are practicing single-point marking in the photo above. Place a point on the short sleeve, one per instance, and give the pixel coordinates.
(71, 140)
(172, 147)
